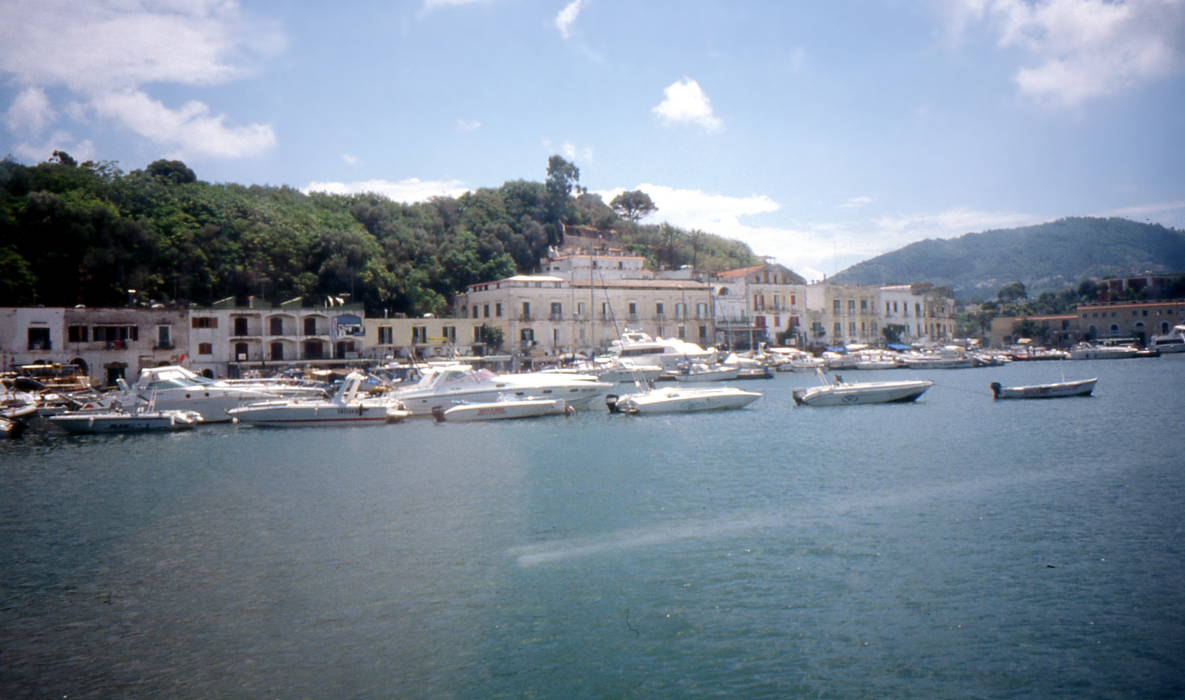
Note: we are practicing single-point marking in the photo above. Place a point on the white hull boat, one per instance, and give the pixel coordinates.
(700, 372)
(839, 393)
(94, 421)
(501, 410)
(448, 386)
(177, 388)
(1086, 351)
(681, 400)
(640, 347)
(1055, 390)
(348, 407)
(1172, 343)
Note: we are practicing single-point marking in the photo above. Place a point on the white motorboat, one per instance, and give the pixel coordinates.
(174, 387)
(350, 405)
(614, 370)
(448, 385)
(793, 360)
(839, 393)
(143, 417)
(947, 357)
(504, 408)
(1090, 351)
(1171, 343)
(681, 400)
(638, 346)
(1055, 390)
(704, 372)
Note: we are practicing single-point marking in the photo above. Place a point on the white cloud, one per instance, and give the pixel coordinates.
(812, 249)
(567, 17)
(59, 141)
(575, 153)
(430, 5)
(350, 160)
(857, 202)
(468, 125)
(30, 111)
(1083, 49)
(406, 191)
(192, 130)
(105, 51)
(685, 103)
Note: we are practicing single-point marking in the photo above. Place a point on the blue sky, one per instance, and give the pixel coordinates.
(820, 133)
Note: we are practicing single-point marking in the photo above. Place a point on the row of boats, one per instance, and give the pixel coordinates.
(174, 398)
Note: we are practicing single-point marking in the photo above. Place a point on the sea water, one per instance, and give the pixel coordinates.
(953, 547)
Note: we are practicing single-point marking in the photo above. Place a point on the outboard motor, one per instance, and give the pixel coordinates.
(611, 402)
(995, 389)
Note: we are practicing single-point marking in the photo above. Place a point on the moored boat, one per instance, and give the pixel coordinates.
(141, 418)
(681, 400)
(350, 406)
(502, 409)
(839, 393)
(1054, 390)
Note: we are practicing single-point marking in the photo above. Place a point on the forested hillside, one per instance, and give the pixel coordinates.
(87, 233)
(1047, 257)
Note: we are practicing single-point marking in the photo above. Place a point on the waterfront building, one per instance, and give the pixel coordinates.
(1052, 330)
(840, 314)
(104, 343)
(1139, 320)
(421, 338)
(919, 312)
(755, 304)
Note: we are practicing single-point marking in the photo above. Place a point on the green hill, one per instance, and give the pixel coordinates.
(1046, 257)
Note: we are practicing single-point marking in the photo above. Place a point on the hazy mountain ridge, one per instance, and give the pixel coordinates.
(1048, 256)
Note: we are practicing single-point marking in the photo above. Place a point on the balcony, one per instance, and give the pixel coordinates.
(526, 318)
(164, 345)
(555, 317)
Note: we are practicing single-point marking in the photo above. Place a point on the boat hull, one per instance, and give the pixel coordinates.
(156, 421)
(862, 393)
(1044, 391)
(677, 400)
(286, 415)
(501, 410)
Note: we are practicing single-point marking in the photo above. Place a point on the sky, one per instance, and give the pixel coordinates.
(819, 133)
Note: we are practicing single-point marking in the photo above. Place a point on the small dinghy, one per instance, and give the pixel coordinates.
(1056, 390)
(501, 409)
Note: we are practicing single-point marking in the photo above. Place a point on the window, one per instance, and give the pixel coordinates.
(835, 306)
(701, 310)
(581, 309)
(633, 307)
(39, 339)
(205, 349)
(851, 306)
(310, 326)
(485, 310)
(277, 351)
(240, 326)
(419, 335)
(164, 337)
(680, 310)
(498, 309)
(386, 335)
(527, 335)
(557, 311)
(658, 310)
(77, 334)
(449, 333)
(863, 306)
(204, 322)
(838, 329)
(703, 332)
(276, 326)
(605, 310)
(240, 351)
(116, 334)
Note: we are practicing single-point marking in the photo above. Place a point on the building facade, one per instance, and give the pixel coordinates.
(758, 304)
(1139, 320)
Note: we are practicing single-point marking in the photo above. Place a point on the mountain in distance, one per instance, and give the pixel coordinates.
(1045, 257)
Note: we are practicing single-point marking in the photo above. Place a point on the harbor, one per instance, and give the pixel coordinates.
(950, 546)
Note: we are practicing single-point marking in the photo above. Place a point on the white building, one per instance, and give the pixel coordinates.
(918, 312)
(755, 304)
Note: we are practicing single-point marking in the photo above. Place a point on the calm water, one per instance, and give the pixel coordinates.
(955, 547)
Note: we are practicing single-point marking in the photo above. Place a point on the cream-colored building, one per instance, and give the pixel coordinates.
(922, 311)
(419, 338)
(755, 304)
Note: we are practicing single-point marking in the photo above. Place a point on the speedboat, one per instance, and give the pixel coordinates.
(142, 417)
(174, 387)
(1171, 343)
(681, 400)
(839, 393)
(505, 407)
(1082, 387)
(446, 386)
(614, 370)
(349, 406)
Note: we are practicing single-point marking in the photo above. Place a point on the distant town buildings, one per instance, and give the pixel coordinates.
(581, 301)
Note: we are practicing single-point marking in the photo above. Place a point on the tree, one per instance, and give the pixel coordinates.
(171, 170)
(1012, 292)
(633, 205)
(892, 333)
(490, 336)
(562, 179)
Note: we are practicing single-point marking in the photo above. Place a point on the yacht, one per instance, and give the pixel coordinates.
(638, 346)
(681, 400)
(1171, 343)
(839, 393)
(446, 386)
(1089, 351)
(350, 405)
(174, 387)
